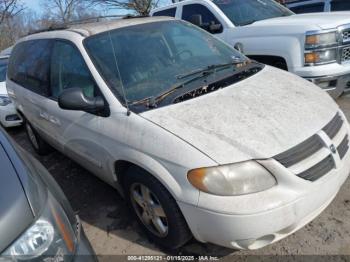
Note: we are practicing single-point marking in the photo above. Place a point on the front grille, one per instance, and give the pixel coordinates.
(345, 54)
(318, 170)
(346, 35)
(333, 127)
(300, 161)
(343, 147)
(300, 152)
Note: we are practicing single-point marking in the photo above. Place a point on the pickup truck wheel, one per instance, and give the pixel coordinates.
(39, 145)
(156, 210)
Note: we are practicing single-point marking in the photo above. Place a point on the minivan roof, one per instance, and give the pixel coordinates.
(92, 28)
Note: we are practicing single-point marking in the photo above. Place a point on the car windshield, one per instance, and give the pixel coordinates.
(147, 60)
(245, 12)
(3, 68)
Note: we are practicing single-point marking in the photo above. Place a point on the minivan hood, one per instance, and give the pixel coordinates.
(327, 20)
(256, 118)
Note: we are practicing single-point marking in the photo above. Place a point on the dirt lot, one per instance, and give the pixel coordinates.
(112, 231)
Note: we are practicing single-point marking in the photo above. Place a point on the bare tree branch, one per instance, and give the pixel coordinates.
(140, 7)
(9, 8)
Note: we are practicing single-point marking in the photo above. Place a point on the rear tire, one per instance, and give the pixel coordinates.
(40, 146)
(155, 210)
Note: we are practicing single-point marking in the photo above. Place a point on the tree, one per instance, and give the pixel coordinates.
(8, 9)
(140, 7)
(64, 11)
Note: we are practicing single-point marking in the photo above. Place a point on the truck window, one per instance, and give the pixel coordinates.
(3, 67)
(197, 9)
(340, 5)
(243, 12)
(308, 8)
(167, 12)
(29, 65)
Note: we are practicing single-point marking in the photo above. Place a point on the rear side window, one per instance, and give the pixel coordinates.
(340, 5)
(310, 8)
(166, 12)
(197, 9)
(3, 67)
(68, 70)
(29, 65)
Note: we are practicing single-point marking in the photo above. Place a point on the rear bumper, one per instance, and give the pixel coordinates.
(257, 229)
(9, 116)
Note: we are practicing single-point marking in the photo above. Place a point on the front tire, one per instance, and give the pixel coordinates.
(156, 210)
(40, 146)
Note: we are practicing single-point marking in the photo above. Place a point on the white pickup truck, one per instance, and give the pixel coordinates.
(314, 46)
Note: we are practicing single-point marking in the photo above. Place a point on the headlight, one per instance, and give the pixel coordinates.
(231, 180)
(51, 236)
(319, 40)
(5, 100)
(321, 57)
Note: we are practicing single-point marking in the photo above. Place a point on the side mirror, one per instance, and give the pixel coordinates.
(196, 20)
(74, 99)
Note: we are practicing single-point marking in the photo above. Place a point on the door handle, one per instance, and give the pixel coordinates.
(44, 115)
(55, 121)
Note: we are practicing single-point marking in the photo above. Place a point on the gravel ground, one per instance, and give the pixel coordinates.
(112, 230)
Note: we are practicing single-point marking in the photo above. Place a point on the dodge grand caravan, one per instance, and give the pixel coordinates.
(200, 140)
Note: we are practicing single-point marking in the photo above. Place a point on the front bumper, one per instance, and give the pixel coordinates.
(84, 250)
(334, 85)
(242, 223)
(9, 116)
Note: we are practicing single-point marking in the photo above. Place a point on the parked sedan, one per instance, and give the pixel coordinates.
(8, 113)
(36, 220)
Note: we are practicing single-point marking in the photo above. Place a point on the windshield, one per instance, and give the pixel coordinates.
(3, 68)
(149, 58)
(245, 12)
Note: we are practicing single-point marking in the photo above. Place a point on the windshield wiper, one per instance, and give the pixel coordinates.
(211, 68)
(152, 101)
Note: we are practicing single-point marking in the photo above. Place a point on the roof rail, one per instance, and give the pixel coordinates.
(63, 26)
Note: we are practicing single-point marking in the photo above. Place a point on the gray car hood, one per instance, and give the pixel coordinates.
(256, 118)
(15, 212)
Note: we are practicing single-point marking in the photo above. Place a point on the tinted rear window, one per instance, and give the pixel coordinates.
(340, 5)
(29, 65)
(166, 12)
(3, 67)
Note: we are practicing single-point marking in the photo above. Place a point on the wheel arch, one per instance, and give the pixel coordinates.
(152, 168)
(276, 61)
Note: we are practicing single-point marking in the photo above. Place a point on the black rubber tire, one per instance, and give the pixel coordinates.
(178, 231)
(42, 148)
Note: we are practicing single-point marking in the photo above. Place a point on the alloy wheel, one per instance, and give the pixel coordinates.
(149, 209)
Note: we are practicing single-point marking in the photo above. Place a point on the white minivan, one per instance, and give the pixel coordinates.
(200, 140)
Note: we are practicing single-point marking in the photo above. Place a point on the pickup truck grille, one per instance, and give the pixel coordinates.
(346, 35)
(346, 54)
(311, 159)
